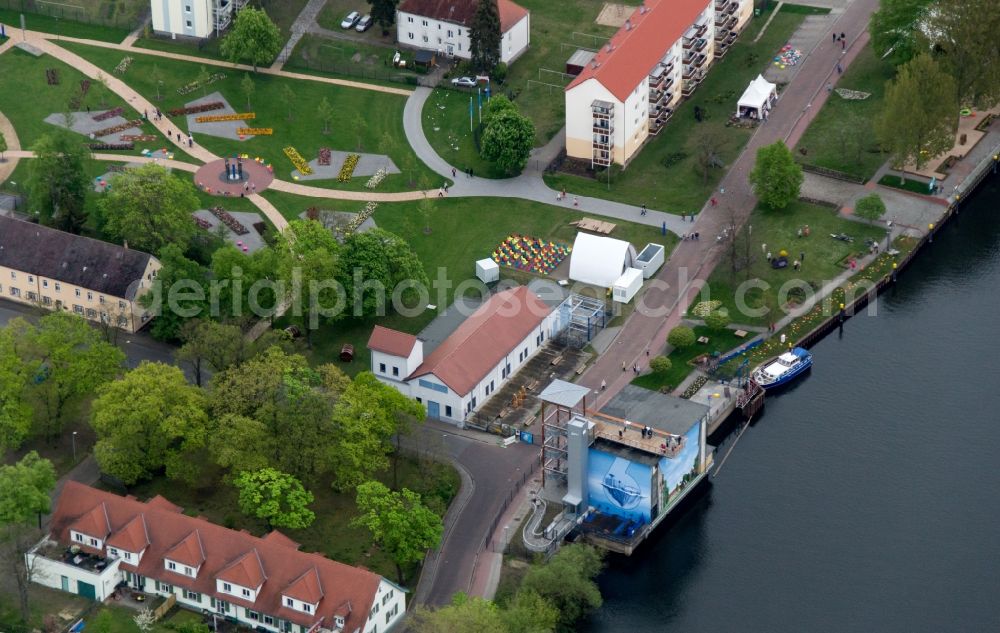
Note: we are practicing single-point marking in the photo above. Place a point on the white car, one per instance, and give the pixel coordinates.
(351, 19)
(463, 82)
(364, 24)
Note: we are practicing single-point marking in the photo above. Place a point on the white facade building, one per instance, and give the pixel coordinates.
(443, 26)
(485, 351)
(193, 18)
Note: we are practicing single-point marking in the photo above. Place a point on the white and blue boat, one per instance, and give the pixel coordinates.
(783, 369)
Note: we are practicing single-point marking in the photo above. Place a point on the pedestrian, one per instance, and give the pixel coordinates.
(843, 38)
(564, 193)
(454, 172)
(843, 45)
(621, 433)
(576, 201)
(840, 69)
(440, 193)
(468, 172)
(769, 257)
(623, 366)
(802, 256)
(88, 108)
(763, 248)
(834, 36)
(713, 201)
(722, 190)
(642, 211)
(604, 385)
(697, 236)
(472, 172)
(800, 232)
(246, 186)
(190, 141)
(647, 351)
(253, 187)
(795, 264)
(635, 368)
(143, 115)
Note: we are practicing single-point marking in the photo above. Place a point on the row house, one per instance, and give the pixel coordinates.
(443, 26)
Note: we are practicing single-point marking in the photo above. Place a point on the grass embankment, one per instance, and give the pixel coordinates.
(67, 21)
(906, 184)
(842, 136)
(719, 341)
(664, 175)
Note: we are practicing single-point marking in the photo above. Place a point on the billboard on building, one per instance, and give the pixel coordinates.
(618, 486)
(677, 471)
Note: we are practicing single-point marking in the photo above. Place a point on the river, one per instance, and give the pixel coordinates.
(867, 497)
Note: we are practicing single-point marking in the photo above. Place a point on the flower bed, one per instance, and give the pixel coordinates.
(52, 76)
(123, 65)
(324, 156)
(104, 116)
(254, 131)
(347, 169)
(141, 138)
(111, 146)
(118, 128)
(194, 85)
(705, 308)
(202, 223)
(234, 225)
(216, 118)
(204, 107)
(376, 179)
(297, 160)
(530, 254)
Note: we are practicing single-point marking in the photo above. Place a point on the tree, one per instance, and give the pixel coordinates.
(918, 119)
(288, 96)
(3, 144)
(776, 177)
(399, 523)
(895, 29)
(254, 37)
(870, 207)
(25, 489)
(156, 76)
(57, 181)
(276, 497)
(240, 443)
(507, 140)
(209, 345)
(325, 113)
(496, 106)
(150, 208)
(105, 89)
(173, 309)
(528, 612)
(660, 364)
(360, 126)
(151, 419)
(144, 620)
(965, 43)
(465, 614)
(15, 414)
(717, 320)
(425, 209)
(710, 145)
(308, 255)
(680, 337)
(68, 360)
(380, 257)
(383, 13)
(385, 145)
(247, 87)
(202, 79)
(567, 582)
(485, 36)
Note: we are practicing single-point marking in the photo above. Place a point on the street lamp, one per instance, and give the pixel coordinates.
(930, 232)
(74, 446)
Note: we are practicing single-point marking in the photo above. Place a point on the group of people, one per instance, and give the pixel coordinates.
(691, 236)
(842, 38)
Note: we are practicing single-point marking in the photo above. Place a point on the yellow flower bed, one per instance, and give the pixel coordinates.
(297, 160)
(254, 131)
(216, 118)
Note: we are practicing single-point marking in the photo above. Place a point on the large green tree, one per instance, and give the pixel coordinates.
(528, 612)
(465, 614)
(485, 36)
(568, 582)
(383, 13)
(151, 419)
(178, 294)
(253, 38)
(276, 497)
(776, 177)
(380, 258)
(918, 119)
(150, 208)
(399, 523)
(870, 207)
(507, 140)
(15, 413)
(57, 181)
(967, 43)
(896, 29)
(309, 262)
(246, 284)
(212, 346)
(25, 489)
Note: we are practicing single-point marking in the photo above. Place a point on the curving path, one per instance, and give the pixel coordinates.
(9, 164)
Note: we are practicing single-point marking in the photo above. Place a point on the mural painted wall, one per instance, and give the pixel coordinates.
(618, 486)
(673, 471)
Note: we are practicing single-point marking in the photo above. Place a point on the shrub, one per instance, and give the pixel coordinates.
(660, 364)
(717, 320)
(680, 337)
(673, 158)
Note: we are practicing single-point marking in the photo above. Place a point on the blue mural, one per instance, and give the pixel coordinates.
(619, 487)
(673, 470)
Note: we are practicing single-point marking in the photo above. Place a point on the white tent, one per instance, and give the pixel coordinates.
(599, 260)
(757, 99)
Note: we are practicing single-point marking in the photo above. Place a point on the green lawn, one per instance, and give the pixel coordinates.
(446, 125)
(122, 619)
(374, 117)
(482, 223)
(720, 341)
(824, 258)
(64, 19)
(370, 62)
(27, 114)
(842, 135)
(679, 188)
(906, 184)
(331, 533)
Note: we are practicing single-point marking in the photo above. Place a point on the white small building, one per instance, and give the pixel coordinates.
(600, 261)
(443, 26)
(193, 18)
(485, 351)
(627, 286)
(487, 271)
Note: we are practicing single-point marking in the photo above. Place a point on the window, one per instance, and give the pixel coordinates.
(15, 292)
(289, 602)
(227, 587)
(188, 571)
(58, 287)
(447, 410)
(381, 367)
(192, 596)
(31, 279)
(253, 615)
(187, 8)
(460, 46)
(93, 542)
(112, 551)
(411, 35)
(13, 275)
(45, 283)
(450, 33)
(424, 22)
(307, 607)
(78, 309)
(439, 26)
(122, 321)
(268, 620)
(47, 301)
(425, 38)
(121, 305)
(246, 593)
(409, 18)
(171, 565)
(100, 299)
(459, 32)
(187, 23)
(78, 537)
(395, 371)
(77, 291)
(432, 385)
(128, 555)
(473, 402)
(90, 296)
(32, 296)
(420, 400)
(91, 313)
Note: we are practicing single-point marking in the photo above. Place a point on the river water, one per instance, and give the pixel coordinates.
(867, 497)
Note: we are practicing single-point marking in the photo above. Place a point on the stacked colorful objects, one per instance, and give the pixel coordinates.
(531, 254)
(788, 56)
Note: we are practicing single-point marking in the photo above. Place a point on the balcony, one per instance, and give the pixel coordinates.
(720, 34)
(700, 29)
(601, 158)
(599, 128)
(731, 8)
(694, 61)
(699, 44)
(604, 108)
(655, 98)
(603, 142)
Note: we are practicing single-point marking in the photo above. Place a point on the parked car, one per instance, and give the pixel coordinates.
(351, 19)
(364, 24)
(463, 82)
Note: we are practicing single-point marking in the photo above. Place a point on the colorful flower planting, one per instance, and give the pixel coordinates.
(104, 116)
(530, 254)
(202, 223)
(194, 85)
(347, 169)
(110, 146)
(216, 118)
(204, 107)
(118, 128)
(255, 131)
(141, 138)
(324, 156)
(297, 160)
(376, 179)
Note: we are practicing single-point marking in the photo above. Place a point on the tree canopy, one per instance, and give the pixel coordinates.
(776, 177)
(380, 258)
(151, 419)
(15, 413)
(965, 43)
(870, 207)
(918, 119)
(660, 364)
(309, 258)
(399, 523)
(485, 36)
(717, 319)
(507, 140)
(568, 583)
(895, 29)
(680, 337)
(178, 293)
(57, 182)
(214, 346)
(465, 614)
(383, 12)
(253, 37)
(276, 497)
(149, 208)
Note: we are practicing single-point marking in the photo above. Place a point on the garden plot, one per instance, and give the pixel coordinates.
(338, 219)
(84, 123)
(367, 165)
(222, 129)
(249, 242)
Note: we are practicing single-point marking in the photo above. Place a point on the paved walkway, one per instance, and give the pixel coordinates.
(9, 161)
(303, 24)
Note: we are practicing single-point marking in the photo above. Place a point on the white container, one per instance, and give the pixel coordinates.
(627, 285)
(488, 271)
(650, 260)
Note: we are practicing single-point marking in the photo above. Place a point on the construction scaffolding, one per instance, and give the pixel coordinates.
(585, 317)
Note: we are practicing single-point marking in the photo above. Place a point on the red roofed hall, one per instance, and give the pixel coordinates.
(629, 89)
(262, 583)
(442, 26)
(485, 350)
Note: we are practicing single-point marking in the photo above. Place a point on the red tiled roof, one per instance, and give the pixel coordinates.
(307, 588)
(281, 564)
(274, 536)
(391, 342)
(245, 571)
(485, 338)
(133, 537)
(163, 504)
(634, 52)
(461, 11)
(93, 522)
(189, 551)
